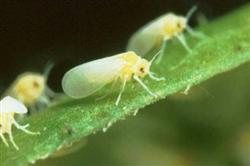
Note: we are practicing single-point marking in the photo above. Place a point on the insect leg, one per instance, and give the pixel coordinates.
(163, 47)
(109, 92)
(42, 102)
(185, 92)
(49, 92)
(4, 140)
(182, 40)
(44, 99)
(195, 33)
(12, 141)
(154, 77)
(120, 94)
(33, 108)
(144, 86)
(23, 128)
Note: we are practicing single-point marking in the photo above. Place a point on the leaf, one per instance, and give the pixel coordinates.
(226, 47)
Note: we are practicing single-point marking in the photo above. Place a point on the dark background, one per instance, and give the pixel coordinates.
(71, 32)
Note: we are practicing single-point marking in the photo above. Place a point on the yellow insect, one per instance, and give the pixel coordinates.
(157, 32)
(31, 89)
(8, 108)
(86, 79)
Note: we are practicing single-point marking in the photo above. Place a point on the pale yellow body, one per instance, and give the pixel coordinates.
(28, 88)
(133, 65)
(173, 25)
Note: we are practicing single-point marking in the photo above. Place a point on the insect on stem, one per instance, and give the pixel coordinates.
(9, 107)
(123, 66)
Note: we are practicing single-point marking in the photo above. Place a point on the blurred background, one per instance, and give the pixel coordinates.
(210, 126)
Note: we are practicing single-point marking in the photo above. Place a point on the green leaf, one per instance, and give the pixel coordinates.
(226, 47)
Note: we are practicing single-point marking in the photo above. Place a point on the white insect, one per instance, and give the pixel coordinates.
(86, 79)
(8, 108)
(156, 33)
(31, 89)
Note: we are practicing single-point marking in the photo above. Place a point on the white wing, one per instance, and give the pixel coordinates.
(147, 37)
(9, 104)
(85, 79)
(142, 42)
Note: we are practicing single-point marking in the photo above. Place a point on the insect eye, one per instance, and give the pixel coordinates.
(142, 70)
(178, 24)
(35, 84)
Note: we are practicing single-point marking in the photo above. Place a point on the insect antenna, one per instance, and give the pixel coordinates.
(47, 69)
(154, 57)
(191, 12)
(189, 29)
